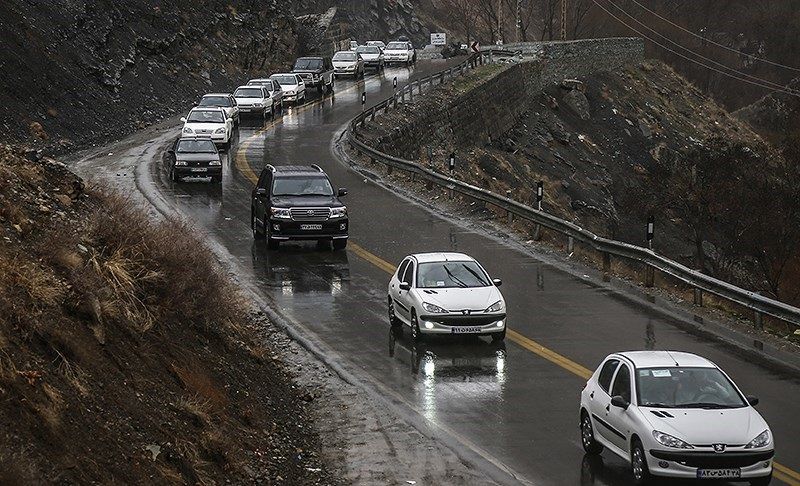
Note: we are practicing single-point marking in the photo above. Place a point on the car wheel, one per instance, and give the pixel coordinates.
(340, 244)
(641, 474)
(273, 244)
(257, 235)
(173, 176)
(590, 445)
(320, 88)
(333, 83)
(761, 481)
(393, 321)
(216, 179)
(499, 336)
(416, 334)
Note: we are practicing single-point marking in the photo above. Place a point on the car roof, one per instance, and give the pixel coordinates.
(282, 74)
(249, 86)
(207, 108)
(254, 80)
(216, 94)
(653, 359)
(441, 257)
(297, 170)
(309, 57)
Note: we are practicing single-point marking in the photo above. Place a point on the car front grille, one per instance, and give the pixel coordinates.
(310, 214)
(712, 460)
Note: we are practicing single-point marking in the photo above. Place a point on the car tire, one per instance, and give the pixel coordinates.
(257, 235)
(216, 179)
(393, 320)
(173, 176)
(273, 244)
(416, 334)
(321, 88)
(641, 473)
(590, 445)
(499, 336)
(339, 244)
(761, 481)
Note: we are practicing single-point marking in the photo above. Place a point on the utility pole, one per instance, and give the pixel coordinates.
(563, 20)
(519, 22)
(499, 20)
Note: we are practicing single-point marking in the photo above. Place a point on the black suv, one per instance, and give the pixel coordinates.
(315, 71)
(298, 203)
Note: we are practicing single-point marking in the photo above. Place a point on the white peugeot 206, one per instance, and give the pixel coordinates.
(676, 415)
(446, 293)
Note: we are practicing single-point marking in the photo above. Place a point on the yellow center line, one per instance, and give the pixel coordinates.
(781, 472)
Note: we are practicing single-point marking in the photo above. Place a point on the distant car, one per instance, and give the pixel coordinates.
(348, 63)
(353, 45)
(254, 100)
(399, 52)
(275, 92)
(208, 122)
(676, 415)
(225, 101)
(446, 293)
(372, 56)
(315, 71)
(294, 89)
(298, 203)
(379, 44)
(194, 156)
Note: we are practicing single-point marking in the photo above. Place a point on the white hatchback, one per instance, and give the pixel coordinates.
(294, 89)
(446, 293)
(676, 415)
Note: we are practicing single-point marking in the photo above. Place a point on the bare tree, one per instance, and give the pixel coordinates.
(461, 13)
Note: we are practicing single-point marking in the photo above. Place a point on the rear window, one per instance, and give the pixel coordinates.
(308, 64)
(215, 101)
(248, 93)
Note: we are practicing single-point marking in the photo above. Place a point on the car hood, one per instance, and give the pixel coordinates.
(370, 57)
(344, 63)
(290, 87)
(305, 201)
(735, 426)
(395, 51)
(250, 101)
(307, 71)
(196, 157)
(204, 126)
(456, 299)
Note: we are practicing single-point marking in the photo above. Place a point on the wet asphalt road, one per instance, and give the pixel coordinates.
(509, 403)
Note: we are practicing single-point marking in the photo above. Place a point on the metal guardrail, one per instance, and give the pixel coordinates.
(759, 304)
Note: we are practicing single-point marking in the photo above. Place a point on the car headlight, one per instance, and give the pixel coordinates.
(433, 309)
(761, 440)
(214, 162)
(180, 162)
(280, 213)
(670, 441)
(220, 130)
(496, 307)
(338, 212)
(289, 92)
(187, 130)
(258, 105)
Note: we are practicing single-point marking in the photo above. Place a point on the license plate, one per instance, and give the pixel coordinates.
(719, 473)
(465, 330)
(198, 169)
(309, 227)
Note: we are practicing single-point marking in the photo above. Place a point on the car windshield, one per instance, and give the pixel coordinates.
(248, 93)
(285, 79)
(302, 186)
(346, 55)
(205, 116)
(679, 387)
(451, 274)
(368, 50)
(196, 146)
(307, 64)
(397, 46)
(215, 101)
(261, 82)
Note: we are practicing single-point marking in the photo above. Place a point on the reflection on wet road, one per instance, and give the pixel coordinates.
(518, 407)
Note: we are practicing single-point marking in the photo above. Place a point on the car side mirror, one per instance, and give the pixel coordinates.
(497, 282)
(619, 402)
(752, 400)
(171, 151)
(342, 192)
(261, 191)
(183, 119)
(405, 286)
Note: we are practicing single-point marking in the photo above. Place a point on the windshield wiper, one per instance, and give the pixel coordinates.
(477, 277)
(657, 405)
(454, 278)
(706, 405)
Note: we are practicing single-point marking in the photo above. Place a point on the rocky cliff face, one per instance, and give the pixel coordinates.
(775, 116)
(93, 69)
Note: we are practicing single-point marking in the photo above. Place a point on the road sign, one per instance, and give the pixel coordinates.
(475, 47)
(438, 39)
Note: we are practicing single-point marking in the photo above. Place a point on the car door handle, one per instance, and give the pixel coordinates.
(608, 407)
(591, 395)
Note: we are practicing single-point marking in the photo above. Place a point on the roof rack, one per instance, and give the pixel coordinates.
(317, 167)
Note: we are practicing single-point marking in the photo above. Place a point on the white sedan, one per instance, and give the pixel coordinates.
(675, 415)
(208, 122)
(253, 99)
(294, 89)
(446, 293)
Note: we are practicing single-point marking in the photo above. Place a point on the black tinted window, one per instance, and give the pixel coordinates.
(308, 64)
(407, 278)
(215, 101)
(606, 373)
(302, 186)
(622, 383)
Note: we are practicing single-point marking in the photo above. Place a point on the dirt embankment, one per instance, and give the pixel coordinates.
(75, 72)
(126, 355)
(613, 147)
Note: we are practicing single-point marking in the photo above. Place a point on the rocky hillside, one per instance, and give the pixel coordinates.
(125, 355)
(775, 116)
(78, 71)
(612, 148)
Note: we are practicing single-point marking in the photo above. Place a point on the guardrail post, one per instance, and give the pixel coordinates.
(649, 276)
(606, 267)
(650, 272)
(698, 297)
(491, 57)
(509, 214)
(411, 92)
(537, 230)
(758, 320)
(570, 245)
